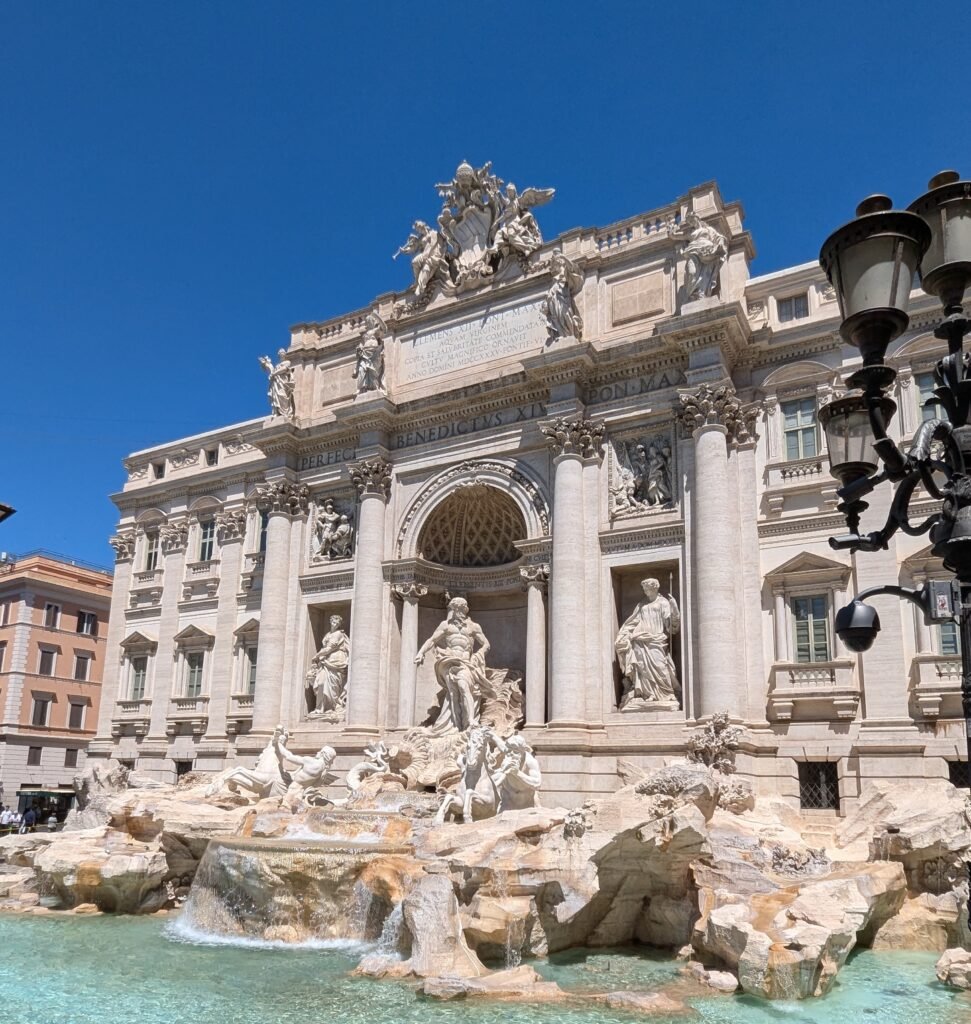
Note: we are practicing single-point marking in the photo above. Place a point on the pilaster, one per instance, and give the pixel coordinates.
(535, 579)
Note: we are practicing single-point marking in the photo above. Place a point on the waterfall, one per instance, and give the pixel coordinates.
(286, 891)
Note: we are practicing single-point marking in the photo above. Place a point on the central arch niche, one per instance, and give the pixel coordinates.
(476, 526)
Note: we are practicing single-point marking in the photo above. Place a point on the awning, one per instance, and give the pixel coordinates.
(57, 791)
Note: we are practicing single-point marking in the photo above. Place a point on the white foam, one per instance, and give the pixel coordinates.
(183, 930)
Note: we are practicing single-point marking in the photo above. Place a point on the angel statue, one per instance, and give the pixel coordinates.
(427, 251)
(559, 307)
(704, 251)
(282, 385)
(515, 232)
(369, 368)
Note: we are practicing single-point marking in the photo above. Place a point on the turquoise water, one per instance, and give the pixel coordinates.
(104, 970)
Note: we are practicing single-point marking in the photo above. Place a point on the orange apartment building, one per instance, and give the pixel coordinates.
(53, 622)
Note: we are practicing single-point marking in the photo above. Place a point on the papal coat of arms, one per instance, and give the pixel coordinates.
(485, 229)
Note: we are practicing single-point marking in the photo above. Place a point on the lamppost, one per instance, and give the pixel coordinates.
(871, 263)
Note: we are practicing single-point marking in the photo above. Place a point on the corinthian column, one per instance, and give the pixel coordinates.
(534, 580)
(282, 501)
(570, 441)
(372, 477)
(714, 418)
(410, 593)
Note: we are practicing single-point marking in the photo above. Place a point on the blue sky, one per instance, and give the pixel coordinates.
(182, 181)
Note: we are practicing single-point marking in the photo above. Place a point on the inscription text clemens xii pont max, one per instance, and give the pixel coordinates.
(480, 340)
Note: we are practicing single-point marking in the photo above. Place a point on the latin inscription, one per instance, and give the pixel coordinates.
(472, 425)
(633, 386)
(491, 336)
(333, 457)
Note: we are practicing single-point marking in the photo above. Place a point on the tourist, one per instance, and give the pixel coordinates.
(52, 822)
(29, 820)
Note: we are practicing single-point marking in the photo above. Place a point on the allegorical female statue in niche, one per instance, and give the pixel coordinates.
(459, 667)
(328, 671)
(643, 648)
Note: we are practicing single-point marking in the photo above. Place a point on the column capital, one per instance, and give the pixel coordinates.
(718, 406)
(410, 592)
(174, 536)
(371, 476)
(534, 576)
(283, 496)
(124, 544)
(231, 524)
(580, 437)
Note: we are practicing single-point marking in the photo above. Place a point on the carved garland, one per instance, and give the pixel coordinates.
(473, 470)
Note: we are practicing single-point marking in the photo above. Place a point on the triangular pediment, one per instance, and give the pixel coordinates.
(806, 562)
(193, 636)
(250, 628)
(923, 562)
(138, 641)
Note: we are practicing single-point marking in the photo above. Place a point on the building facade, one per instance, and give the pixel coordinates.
(53, 623)
(538, 428)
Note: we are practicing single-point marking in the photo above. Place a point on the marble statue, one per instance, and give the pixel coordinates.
(313, 774)
(369, 368)
(333, 533)
(281, 385)
(484, 227)
(643, 648)
(705, 251)
(327, 676)
(427, 250)
(377, 761)
(516, 232)
(459, 667)
(559, 307)
(641, 476)
(268, 778)
(496, 775)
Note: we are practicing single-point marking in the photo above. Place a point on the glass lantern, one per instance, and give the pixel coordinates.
(946, 209)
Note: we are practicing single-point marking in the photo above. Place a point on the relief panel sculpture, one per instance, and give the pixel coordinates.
(333, 534)
(641, 476)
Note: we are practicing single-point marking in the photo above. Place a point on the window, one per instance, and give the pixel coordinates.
(139, 673)
(212, 456)
(250, 667)
(948, 640)
(33, 756)
(88, 623)
(264, 523)
(194, 662)
(76, 715)
(71, 757)
(819, 786)
(151, 551)
(82, 667)
(182, 768)
(930, 407)
(40, 711)
(794, 307)
(3, 654)
(52, 615)
(957, 772)
(5, 612)
(207, 534)
(811, 628)
(158, 470)
(799, 428)
(45, 665)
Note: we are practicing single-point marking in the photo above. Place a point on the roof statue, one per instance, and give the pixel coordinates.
(485, 227)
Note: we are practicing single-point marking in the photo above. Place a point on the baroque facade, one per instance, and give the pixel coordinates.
(537, 428)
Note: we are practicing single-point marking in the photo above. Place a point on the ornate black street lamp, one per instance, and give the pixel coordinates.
(871, 263)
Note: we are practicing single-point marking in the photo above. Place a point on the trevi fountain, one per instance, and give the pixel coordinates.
(495, 668)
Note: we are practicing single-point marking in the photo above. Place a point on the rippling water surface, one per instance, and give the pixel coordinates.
(104, 970)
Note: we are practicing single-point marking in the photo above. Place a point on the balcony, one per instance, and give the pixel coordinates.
(187, 714)
(146, 589)
(817, 691)
(240, 712)
(936, 682)
(201, 580)
(131, 716)
(799, 484)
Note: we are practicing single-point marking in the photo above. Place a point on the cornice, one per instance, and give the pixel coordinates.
(830, 524)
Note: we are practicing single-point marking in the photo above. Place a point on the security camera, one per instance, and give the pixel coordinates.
(857, 626)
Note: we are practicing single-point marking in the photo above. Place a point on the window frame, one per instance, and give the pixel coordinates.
(133, 675)
(38, 700)
(32, 760)
(207, 539)
(71, 705)
(808, 767)
(43, 649)
(3, 654)
(68, 761)
(792, 298)
(190, 671)
(800, 429)
(84, 619)
(151, 550)
(825, 620)
(83, 657)
(938, 411)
